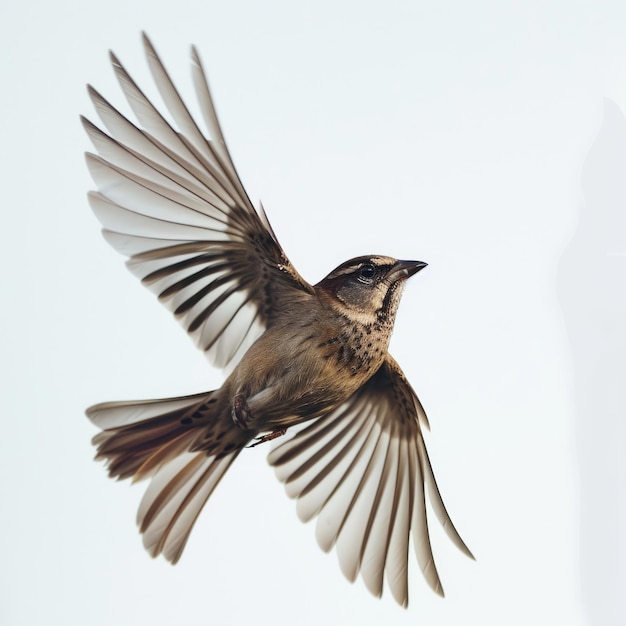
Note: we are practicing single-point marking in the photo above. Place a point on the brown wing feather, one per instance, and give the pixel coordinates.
(363, 470)
(170, 199)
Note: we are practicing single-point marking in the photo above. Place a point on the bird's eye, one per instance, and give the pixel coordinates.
(367, 271)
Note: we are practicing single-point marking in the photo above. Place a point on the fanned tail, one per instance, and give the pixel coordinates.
(184, 444)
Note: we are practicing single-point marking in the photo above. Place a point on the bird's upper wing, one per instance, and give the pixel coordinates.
(364, 470)
(171, 200)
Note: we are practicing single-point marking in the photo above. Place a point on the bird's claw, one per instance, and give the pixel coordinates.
(268, 437)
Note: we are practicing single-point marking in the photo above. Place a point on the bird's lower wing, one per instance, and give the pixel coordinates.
(364, 471)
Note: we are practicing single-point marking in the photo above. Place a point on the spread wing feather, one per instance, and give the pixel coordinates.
(363, 470)
(169, 198)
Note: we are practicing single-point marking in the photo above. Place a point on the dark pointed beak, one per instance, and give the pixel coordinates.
(408, 268)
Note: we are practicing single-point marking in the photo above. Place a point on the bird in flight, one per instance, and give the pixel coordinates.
(169, 198)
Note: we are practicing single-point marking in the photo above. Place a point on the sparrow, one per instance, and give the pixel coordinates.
(169, 198)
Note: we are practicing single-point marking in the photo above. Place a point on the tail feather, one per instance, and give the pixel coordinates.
(184, 444)
(139, 436)
(160, 456)
(172, 514)
(116, 414)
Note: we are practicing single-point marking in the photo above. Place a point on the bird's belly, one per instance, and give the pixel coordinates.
(287, 380)
(291, 400)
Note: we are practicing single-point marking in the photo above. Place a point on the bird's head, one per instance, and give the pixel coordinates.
(368, 288)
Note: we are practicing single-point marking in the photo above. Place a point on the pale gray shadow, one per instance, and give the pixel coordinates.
(592, 290)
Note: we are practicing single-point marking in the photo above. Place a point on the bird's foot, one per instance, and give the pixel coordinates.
(241, 412)
(273, 435)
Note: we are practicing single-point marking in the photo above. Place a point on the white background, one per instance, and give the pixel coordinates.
(452, 132)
